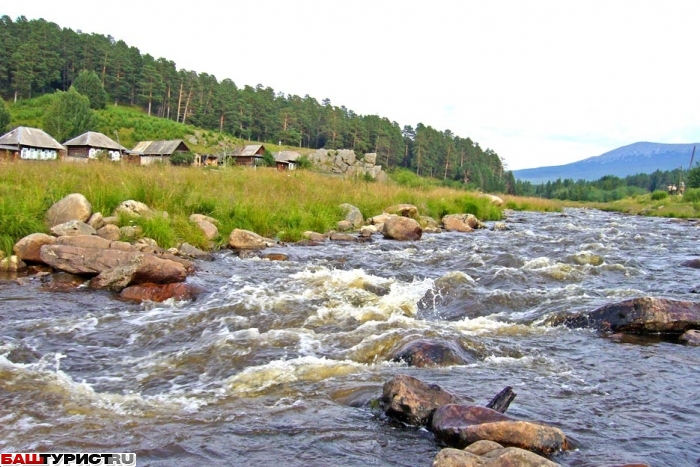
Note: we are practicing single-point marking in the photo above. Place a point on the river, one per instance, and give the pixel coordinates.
(277, 361)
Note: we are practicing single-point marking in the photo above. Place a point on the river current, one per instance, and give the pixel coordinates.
(277, 362)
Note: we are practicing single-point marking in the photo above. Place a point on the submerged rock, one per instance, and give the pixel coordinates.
(423, 353)
(161, 292)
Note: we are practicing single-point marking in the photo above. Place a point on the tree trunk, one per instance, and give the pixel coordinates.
(179, 103)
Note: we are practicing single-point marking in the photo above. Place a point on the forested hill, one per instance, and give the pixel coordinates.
(637, 158)
(39, 57)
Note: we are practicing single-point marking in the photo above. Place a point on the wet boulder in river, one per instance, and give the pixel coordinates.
(646, 315)
(691, 337)
(461, 222)
(424, 353)
(412, 401)
(450, 418)
(160, 292)
(402, 228)
(505, 457)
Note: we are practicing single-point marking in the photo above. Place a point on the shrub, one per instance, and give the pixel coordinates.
(691, 195)
(182, 158)
(658, 195)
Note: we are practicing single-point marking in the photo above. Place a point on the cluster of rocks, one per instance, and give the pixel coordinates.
(345, 162)
(475, 435)
(92, 248)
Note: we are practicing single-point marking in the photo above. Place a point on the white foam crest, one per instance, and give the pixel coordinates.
(258, 379)
(555, 270)
(480, 325)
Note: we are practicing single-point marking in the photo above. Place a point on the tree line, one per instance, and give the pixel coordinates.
(610, 187)
(39, 57)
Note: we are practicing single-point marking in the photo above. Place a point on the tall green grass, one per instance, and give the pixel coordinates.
(271, 203)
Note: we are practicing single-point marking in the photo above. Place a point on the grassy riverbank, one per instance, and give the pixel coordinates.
(271, 203)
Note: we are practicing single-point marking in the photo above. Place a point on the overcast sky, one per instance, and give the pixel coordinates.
(539, 82)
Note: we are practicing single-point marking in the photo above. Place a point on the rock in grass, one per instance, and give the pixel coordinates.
(246, 240)
(29, 247)
(72, 228)
(73, 207)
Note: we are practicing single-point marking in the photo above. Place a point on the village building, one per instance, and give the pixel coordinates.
(92, 145)
(250, 155)
(205, 160)
(27, 143)
(159, 151)
(286, 160)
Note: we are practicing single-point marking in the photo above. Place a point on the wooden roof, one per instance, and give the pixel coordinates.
(31, 137)
(287, 156)
(251, 150)
(95, 140)
(159, 148)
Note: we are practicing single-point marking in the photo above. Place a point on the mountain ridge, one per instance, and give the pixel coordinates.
(632, 159)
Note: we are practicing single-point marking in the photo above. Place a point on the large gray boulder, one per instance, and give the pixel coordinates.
(90, 261)
(402, 228)
(29, 247)
(353, 215)
(74, 207)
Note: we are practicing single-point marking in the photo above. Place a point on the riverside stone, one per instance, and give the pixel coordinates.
(404, 210)
(12, 264)
(72, 207)
(209, 230)
(246, 240)
(96, 221)
(109, 232)
(141, 269)
(72, 228)
(352, 215)
(493, 198)
(345, 226)
(512, 433)
(691, 337)
(449, 419)
(84, 241)
(424, 353)
(412, 401)
(133, 208)
(28, 248)
(402, 228)
(506, 457)
(193, 252)
(314, 236)
(78, 260)
(461, 222)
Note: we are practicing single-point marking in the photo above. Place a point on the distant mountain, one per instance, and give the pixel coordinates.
(628, 160)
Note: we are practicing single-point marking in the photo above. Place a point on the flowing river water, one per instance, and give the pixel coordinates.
(277, 362)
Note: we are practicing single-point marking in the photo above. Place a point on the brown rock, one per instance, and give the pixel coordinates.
(73, 207)
(84, 241)
(450, 457)
(345, 226)
(142, 269)
(134, 208)
(246, 240)
(61, 282)
(342, 237)
(109, 232)
(640, 316)
(201, 217)
(482, 447)
(208, 228)
(160, 292)
(130, 232)
(691, 337)
(692, 263)
(352, 215)
(423, 353)
(516, 457)
(449, 419)
(404, 210)
(525, 435)
(412, 401)
(96, 221)
(28, 248)
(78, 260)
(314, 236)
(402, 228)
(123, 246)
(275, 257)
(461, 222)
(193, 252)
(12, 264)
(493, 198)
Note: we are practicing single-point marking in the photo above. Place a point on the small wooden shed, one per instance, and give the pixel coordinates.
(90, 145)
(250, 155)
(158, 151)
(286, 160)
(27, 143)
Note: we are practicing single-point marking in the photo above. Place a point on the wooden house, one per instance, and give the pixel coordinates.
(29, 144)
(158, 151)
(286, 160)
(205, 160)
(250, 155)
(91, 145)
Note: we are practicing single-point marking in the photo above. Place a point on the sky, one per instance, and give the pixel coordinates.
(541, 82)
